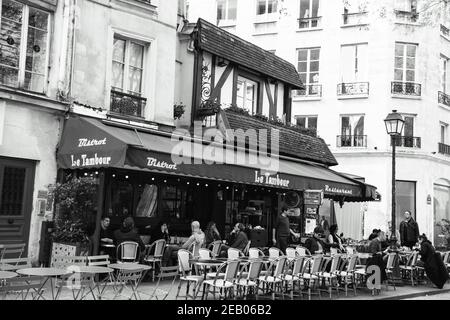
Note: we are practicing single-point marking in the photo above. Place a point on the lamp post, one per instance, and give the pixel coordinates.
(394, 127)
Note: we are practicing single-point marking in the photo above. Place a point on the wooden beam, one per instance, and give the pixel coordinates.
(215, 93)
(275, 99)
(269, 96)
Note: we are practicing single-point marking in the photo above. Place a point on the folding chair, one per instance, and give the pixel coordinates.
(78, 283)
(159, 246)
(15, 264)
(12, 251)
(22, 286)
(165, 273)
(127, 252)
(128, 279)
(101, 261)
(185, 269)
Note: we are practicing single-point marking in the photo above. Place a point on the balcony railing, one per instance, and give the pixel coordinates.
(406, 88)
(127, 104)
(311, 90)
(444, 148)
(408, 142)
(445, 31)
(407, 16)
(355, 18)
(443, 98)
(358, 141)
(306, 23)
(353, 88)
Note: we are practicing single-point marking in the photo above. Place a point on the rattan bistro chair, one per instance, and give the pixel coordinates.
(225, 285)
(273, 281)
(185, 268)
(154, 259)
(248, 282)
(127, 251)
(215, 248)
(390, 265)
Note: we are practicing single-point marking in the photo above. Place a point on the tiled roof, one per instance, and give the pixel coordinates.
(226, 45)
(292, 143)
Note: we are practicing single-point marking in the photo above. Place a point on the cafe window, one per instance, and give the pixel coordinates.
(24, 37)
(148, 201)
(226, 10)
(121, 198)
(405, 197)
(173, 202)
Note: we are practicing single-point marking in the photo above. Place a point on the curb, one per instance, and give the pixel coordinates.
(417, 294)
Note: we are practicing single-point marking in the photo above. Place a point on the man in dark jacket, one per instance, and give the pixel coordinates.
(239, 240)
(409, 231)
(128, 233)
(316, 244)
(282, 230)
(432, 262)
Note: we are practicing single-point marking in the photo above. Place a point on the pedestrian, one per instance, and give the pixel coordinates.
(432, 262)
(409, 231)
(282, 230)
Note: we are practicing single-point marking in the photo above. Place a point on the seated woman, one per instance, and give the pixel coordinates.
(432, 262)
(211, 233)
(315, 244)
(240, 240)
(334, 239)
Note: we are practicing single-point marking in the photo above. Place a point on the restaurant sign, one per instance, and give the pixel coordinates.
(155, 163)
(84, 161)
(341, 191)
(271, 180)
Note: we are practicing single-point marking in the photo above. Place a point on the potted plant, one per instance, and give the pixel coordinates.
(178, 110)
(74, 214)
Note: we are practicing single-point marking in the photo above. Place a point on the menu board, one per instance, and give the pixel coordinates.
(313, 197)
(310, 225)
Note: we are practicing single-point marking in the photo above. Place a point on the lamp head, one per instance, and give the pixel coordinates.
(394, 123)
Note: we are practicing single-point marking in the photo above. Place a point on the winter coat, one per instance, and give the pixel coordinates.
(434, 266)
(409, 231)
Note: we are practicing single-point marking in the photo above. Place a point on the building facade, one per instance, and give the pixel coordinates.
(360, 60)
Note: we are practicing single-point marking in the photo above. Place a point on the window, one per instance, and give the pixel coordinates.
(266, 7)
(127, 77)
(352, 131)
(308, 69)
(407, 138)
(309, 14)
(443, 128)
(226, 10)
(354, 63)
(405, 62)
(24, 40)
(307, 122)
(406, 5)
(246, 94)
(444, 66)
(405, 197)
(441, 204)
(355, 12)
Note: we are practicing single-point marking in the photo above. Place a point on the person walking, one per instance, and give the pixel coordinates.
(282, 230)
(409, 231)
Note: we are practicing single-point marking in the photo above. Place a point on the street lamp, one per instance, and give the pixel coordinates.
(394, 127)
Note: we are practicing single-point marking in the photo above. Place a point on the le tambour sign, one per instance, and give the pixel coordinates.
(89, 161)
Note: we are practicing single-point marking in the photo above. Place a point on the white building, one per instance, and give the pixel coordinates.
(361, 59)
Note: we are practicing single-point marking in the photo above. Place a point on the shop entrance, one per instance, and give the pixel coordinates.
(16, 194)
(442, 215)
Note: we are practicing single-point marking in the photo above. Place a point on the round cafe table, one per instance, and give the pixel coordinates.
(7, 275)
(47, 273)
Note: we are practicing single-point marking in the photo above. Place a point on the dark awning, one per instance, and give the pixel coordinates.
(89, 143)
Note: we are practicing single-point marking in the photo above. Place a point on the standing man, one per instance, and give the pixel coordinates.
(282, 231)
(409, 231)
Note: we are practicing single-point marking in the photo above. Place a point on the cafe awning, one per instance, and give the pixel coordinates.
(89, 143)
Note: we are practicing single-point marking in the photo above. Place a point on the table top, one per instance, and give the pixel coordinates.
(43, 272)
(89, 269)
(129, 266)
(7, 274)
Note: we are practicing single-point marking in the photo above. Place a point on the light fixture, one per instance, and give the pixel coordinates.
(113, 175)
(198, 184)
(96, 172)
(165, 181)
(85, 174)
(187, 182)
(394, 123)
(153, 179)
(206, 185)
(126, 177)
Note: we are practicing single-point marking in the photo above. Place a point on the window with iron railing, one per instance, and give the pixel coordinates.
(445, 31)
(127, 83)
(444, 148)
(408, 142)
(308, 67)
(309, 14)
(355, 18)
(406, 88)
(354, 88)
(444, 98)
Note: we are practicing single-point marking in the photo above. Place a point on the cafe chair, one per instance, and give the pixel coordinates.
(225, 285)
(128, 251)
(165, 273)
(272, 281)
(410, 270)
(247, 247)
(128, 279)
(255, 253)
(310, 274)
(390, 265)
(215, 247)
(347, 277)
(275, 253)
(248, 282)
(185, 268)
(291, 254)
(330, 277)
(154, 259)
(15, 264)
(302, 251)
(12, 251)
(293, 277)
(21, 287)
(233, 254)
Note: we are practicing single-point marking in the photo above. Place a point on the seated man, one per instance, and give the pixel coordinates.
(315, 244)
(240, 240)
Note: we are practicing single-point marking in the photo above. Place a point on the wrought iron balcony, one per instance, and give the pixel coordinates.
(358, 141)
(407, 16)
(306, 23)
(443, 98)
(353, 88)
(311, 90)
(406, 88)
(445, 31)
(355, 18)
(127, 104)
(444, 148)
(408, 142)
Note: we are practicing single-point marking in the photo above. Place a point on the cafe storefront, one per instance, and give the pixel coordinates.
(138, 177)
